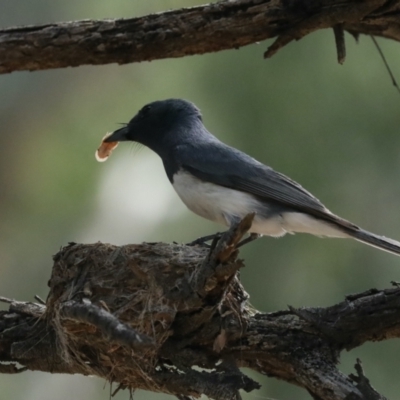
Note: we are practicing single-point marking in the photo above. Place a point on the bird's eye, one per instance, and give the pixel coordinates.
(145, 110)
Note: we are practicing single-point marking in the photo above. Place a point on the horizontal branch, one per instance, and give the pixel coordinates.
(197, 30)
(105, 322)
(186, 314)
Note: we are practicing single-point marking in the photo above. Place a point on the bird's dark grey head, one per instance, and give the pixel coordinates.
(160, 125)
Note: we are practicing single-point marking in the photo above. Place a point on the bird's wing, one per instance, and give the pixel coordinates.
(236, 170)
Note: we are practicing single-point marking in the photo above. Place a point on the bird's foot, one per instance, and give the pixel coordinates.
(202, 240)
(216, 236)
(250, 238)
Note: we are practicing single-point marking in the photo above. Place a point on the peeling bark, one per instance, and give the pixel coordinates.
(175, 319)
(197, 30)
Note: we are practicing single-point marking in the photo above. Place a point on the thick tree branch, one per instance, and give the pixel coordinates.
(149, 316)
(198, 30)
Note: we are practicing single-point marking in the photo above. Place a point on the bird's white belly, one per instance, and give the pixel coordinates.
(223, 205)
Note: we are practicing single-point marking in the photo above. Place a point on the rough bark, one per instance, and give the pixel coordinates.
(175, 319)
(198, 30)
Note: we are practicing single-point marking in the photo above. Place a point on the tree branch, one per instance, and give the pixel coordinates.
(149, 316)
(110, 326)
(197, 30)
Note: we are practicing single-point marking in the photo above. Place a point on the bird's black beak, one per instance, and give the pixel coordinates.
(120, 135)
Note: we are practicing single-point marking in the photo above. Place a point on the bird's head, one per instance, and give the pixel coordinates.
(160, 124)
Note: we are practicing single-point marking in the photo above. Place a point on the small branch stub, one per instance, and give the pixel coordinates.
(364, 385)
(340, 43)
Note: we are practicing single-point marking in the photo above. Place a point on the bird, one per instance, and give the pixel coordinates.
(223, 184)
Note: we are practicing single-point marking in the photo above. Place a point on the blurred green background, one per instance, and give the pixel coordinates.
(333, 128)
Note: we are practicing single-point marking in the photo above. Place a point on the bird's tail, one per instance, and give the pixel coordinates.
(353, 231)
(380, 242)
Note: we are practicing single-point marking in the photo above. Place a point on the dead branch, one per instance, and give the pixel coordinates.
(197, 30)
(175, 319)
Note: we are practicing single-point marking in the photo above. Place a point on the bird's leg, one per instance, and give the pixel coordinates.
(202, 240)
(250, 238)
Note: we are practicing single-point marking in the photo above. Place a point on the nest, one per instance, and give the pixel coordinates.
(142, 315)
